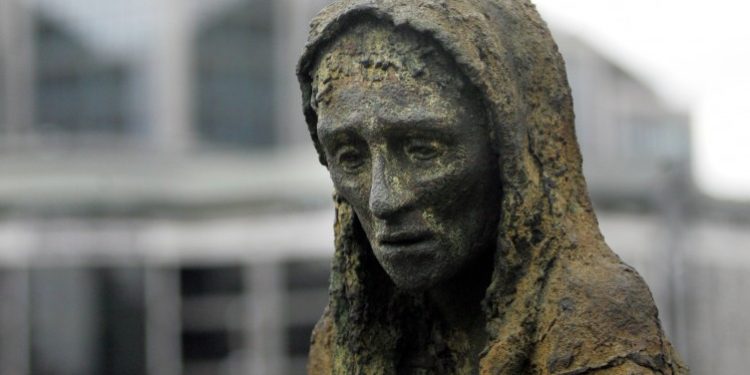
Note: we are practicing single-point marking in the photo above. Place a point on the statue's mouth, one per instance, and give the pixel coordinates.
(403, 239)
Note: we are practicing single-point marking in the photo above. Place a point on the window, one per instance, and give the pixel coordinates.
(87, 321)
(76, 91)
(234, 87)
(306, 282)
(212, 316)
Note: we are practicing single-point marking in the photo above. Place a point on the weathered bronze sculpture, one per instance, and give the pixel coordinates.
(465, 239)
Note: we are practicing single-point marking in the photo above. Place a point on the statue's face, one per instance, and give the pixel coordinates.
(413, 157)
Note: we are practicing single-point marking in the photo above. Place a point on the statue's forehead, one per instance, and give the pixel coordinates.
(389, 102)
(372, 34)
(407, 67)
(377, 48)
(364, 106)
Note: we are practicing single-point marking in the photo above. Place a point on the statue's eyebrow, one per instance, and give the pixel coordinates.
(425, 124)
(417, 121)
(331, 129)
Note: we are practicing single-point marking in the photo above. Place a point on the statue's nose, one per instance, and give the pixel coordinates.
(388, 197)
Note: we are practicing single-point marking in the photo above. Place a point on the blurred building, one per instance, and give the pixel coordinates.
(628, 136)
(156, 213)
(162, 210)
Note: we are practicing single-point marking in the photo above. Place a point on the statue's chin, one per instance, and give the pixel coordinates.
(411, 287)
(413, 282)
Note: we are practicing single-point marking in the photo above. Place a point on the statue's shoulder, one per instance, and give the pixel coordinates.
(320, 361)
(597, 313)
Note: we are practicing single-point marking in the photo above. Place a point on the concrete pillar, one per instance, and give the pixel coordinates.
(266, 319)
(14, 322)
(163, 321)
(291, 24)
(170, 76)
(16, 68)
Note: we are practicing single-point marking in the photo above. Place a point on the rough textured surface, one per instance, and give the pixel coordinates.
(559, 301)
(407, 146)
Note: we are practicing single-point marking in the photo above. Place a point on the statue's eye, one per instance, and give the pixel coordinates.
(422, 150)
(349, 158)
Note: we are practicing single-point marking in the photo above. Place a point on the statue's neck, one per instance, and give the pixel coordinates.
(453, 319)
(459, 300)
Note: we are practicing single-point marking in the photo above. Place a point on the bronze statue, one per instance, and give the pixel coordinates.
(465, 238)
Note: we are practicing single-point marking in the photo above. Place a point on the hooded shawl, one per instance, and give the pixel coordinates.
(560, 301)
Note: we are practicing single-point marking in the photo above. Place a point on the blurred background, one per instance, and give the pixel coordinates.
(162, 210)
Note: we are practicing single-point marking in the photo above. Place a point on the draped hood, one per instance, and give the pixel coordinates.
(560, 302)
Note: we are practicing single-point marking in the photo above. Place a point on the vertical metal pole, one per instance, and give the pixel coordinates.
(674, 205)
